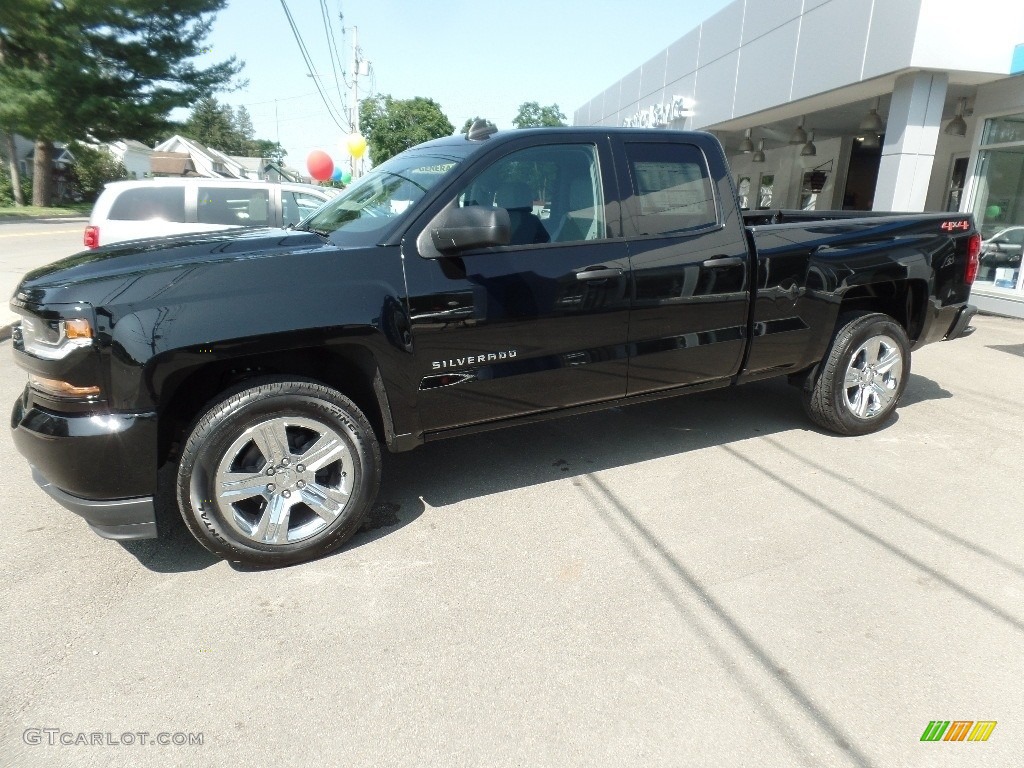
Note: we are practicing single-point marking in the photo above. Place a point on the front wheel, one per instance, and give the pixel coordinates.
(278, 473)
(862, 378)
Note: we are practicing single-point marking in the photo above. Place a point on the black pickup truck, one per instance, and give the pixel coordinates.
(468, 283)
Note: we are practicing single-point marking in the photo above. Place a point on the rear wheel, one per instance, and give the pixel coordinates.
(278, 473)
(862, 378)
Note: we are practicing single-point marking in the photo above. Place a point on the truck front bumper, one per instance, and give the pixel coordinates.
(102, 467)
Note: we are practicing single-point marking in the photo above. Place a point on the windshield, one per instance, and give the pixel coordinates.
(379, 200)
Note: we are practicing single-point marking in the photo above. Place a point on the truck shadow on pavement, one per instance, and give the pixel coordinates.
(1012, 349)
(450, 471)
(177, 551)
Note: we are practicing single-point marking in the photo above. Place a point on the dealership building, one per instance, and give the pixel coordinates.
(899, 105)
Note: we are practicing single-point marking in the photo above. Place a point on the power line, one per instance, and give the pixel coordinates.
(341, 23)
(331, 110)
(281, 98)
(332, 51)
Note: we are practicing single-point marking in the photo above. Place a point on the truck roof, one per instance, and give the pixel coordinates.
(460, 139)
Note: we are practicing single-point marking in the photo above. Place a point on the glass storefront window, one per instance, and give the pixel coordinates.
(1004, 130)
(999, 203)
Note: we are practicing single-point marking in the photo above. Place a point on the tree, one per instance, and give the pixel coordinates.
(217, 125)
(212, 124)
(101, 69)
(393, 125)
(17, 195)
(243, 124)
(93, 168)
(533, 115)
(271, 150)
(9, 193)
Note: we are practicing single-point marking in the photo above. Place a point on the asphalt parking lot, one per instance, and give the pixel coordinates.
(706, 580)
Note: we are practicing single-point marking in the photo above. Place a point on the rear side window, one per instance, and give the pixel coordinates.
(149, 203)
(672, 192)
(235, 207)
(297, 205)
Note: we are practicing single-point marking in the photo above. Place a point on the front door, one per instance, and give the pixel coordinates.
(540, 323)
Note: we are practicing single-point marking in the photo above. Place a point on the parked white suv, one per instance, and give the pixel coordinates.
(130, 210)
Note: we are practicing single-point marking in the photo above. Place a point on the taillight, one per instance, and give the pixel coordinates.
(92, 237)
(973, 251)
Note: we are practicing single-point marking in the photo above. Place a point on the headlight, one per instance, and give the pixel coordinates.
(55, 339)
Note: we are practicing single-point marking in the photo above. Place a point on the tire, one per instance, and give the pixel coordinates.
(278, 473)
(857, 386)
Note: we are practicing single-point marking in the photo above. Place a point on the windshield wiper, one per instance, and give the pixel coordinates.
(322, 232)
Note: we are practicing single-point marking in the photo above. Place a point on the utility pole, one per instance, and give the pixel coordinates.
(356, 61)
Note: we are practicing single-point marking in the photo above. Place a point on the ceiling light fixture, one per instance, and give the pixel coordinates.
(809, 150)
(799, 136)
(747, 145)
(759, 155)
(872, 122)
(958, 126)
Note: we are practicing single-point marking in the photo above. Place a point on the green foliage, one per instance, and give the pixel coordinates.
(103, 69)
(533, 115)
(93, 168)
(217, 125)
(6, 189)
(393, 125)
(32, 212)
(270, 150)
(243, 123)
(212, 124)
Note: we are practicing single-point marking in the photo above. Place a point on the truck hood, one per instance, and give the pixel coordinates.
(164, 254)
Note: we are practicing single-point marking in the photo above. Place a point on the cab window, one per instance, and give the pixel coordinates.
(552, 194)
(672, 190)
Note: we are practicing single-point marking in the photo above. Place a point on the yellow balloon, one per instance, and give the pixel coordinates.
(356, 145)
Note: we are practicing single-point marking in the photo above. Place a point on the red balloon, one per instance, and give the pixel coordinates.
(320, 165)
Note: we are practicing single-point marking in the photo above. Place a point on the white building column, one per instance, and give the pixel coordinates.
(911, 134)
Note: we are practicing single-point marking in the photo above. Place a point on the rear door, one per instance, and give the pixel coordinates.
(540, 323)
(691, 272)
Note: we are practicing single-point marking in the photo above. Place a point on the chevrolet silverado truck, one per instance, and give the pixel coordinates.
(473, 282)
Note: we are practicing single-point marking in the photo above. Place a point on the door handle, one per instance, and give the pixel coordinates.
(724, 261)
(599, 273)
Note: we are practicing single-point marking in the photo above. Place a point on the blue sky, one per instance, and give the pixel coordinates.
(472, 57)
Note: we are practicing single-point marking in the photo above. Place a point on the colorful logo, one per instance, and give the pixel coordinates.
(958, 730)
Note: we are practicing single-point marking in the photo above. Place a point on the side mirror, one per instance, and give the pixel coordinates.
(461, 229)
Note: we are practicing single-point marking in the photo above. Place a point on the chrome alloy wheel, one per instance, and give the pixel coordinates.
(873, 376)
(284, 480)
